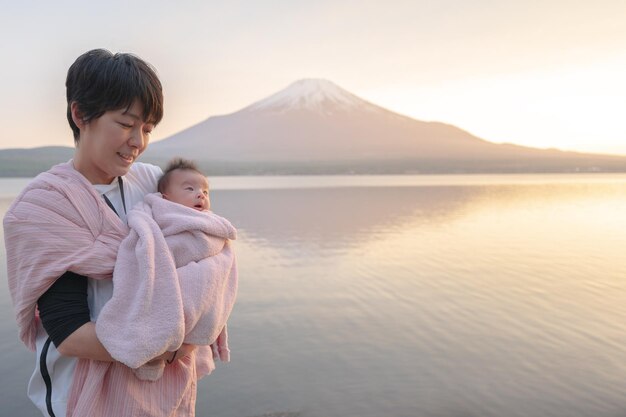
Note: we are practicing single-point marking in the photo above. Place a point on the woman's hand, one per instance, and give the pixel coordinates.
(184, 350)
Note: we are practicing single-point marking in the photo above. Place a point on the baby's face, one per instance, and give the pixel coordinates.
(188, 188)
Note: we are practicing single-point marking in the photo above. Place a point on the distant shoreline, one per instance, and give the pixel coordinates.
(17, 168)
(24, 163)
(11, 187)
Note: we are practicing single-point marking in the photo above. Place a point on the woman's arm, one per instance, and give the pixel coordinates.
(64, 313)
(84, 343)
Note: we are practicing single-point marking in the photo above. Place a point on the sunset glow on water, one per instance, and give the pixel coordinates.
(491, 299)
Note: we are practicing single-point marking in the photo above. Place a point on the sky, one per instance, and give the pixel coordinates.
(547, 74)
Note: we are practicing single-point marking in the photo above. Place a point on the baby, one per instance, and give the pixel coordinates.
(184, 184)
(175, 279)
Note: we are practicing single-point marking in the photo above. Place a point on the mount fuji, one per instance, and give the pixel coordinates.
(315, 126)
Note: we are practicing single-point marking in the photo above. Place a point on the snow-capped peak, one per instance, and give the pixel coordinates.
(310, 94)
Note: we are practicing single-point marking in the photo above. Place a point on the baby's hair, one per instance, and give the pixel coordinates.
(174, 164)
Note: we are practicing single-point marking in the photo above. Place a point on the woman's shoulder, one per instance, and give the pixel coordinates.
(43, 190)
(41, 203)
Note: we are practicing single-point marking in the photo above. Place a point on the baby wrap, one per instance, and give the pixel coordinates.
(175, 281)
(58, 223)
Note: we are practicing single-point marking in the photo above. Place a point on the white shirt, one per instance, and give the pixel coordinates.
(139, 181)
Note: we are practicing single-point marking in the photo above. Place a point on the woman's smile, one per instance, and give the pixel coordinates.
(128, 158)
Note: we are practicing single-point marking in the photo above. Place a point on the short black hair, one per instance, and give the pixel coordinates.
(173, 165)
(99, 81)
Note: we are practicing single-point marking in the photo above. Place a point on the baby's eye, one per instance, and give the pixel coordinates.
(205, 192)
(189, 188)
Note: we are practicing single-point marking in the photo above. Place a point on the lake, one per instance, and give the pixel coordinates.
(421, 296)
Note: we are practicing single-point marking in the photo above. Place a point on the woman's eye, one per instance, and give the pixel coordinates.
(125, 125)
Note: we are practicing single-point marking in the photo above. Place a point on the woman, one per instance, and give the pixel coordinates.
(62, 233)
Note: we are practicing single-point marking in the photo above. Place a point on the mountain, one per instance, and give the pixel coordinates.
(30, 162)
(314, 125)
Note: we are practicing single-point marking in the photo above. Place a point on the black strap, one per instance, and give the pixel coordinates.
(120, 183)
(43, 368)
(106, 199)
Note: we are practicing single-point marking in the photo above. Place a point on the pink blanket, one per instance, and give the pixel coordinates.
(175, 281)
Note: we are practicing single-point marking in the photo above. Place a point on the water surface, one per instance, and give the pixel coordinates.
(426, 296)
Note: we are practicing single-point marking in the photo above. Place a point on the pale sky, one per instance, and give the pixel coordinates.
(548, 73)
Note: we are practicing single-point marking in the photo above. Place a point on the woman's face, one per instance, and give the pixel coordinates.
(110, 144)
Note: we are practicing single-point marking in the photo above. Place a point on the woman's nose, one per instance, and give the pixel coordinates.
(138, 140)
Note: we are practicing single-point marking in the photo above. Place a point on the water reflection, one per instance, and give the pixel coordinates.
(314, 217)
(486, 300)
